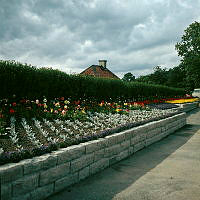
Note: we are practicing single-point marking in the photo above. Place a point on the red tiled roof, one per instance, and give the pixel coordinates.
(99, 71)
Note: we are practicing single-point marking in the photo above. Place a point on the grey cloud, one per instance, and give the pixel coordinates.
(72, 35)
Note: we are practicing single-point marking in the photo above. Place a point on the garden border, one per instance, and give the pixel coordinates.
(42, 176)
(186, 107)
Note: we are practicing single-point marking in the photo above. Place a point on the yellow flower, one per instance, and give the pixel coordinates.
(51, 110)
(125, 104)
(45, 105)
(65, 106)
(66, 102)
(183, 100)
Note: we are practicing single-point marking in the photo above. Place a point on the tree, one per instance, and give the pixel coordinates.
(177, 77)
(128, 77)
(145, 79)
(189, 50)
(159, 76)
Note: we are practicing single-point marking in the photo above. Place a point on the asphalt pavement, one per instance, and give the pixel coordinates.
(166, 170)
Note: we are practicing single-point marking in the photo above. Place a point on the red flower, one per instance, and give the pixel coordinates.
(23, 101)
(14, 104)
(12, 110)
(77, 102)
(62, 98)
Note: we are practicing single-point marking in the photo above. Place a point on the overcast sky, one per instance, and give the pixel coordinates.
(70, 35)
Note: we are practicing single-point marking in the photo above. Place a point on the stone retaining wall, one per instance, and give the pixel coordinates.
(188, 106)
(43, 176)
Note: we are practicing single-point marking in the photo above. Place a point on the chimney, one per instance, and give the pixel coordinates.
(102, 63)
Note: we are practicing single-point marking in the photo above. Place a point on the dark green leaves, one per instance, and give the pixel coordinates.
(32, 83)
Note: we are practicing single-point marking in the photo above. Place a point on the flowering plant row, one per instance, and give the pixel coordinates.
(184, 100)
(66, 109)
(27, 138)
(33, 127)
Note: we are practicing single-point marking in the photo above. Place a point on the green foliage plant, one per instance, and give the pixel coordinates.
(29, 82)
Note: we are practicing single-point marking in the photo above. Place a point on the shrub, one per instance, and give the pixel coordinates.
(30, 82)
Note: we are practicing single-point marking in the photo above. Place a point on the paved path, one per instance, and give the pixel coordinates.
(166, 170)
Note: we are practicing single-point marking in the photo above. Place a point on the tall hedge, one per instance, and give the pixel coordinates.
(31, 82)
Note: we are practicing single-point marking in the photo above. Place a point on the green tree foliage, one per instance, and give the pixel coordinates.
(174, 77)
(145, 79)
(128, 77)
(159, 76)
(189, 49)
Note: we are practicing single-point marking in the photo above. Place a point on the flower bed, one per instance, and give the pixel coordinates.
(32, 128)
(26, 139)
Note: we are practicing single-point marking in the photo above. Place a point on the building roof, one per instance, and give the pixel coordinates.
(99, 71)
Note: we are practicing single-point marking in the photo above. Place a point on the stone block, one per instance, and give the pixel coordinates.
(152, 140)
(166, 133)
(98, 154)
(113, 150)
(10, 172)
(95, 145)
(138, 138)
(83, 173)
(112, 140)
(154, 132)
(163, 129)
(25, 185)
(123, 154)
(48, 162)
(81, 162)
(150, 126)
(50, 175)
(128, 134)
(114, 159)
(42, 192)
(91, 146)
(120, 137)
(66, 181)
(99, 165)
(38, 163)
(6, 191)
(71, 153)
(139, 146)
(131, 150)
(125, 145)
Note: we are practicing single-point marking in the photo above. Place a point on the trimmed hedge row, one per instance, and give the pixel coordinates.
(31, 82)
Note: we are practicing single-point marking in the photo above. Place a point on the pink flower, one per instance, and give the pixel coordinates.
(63, 112)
